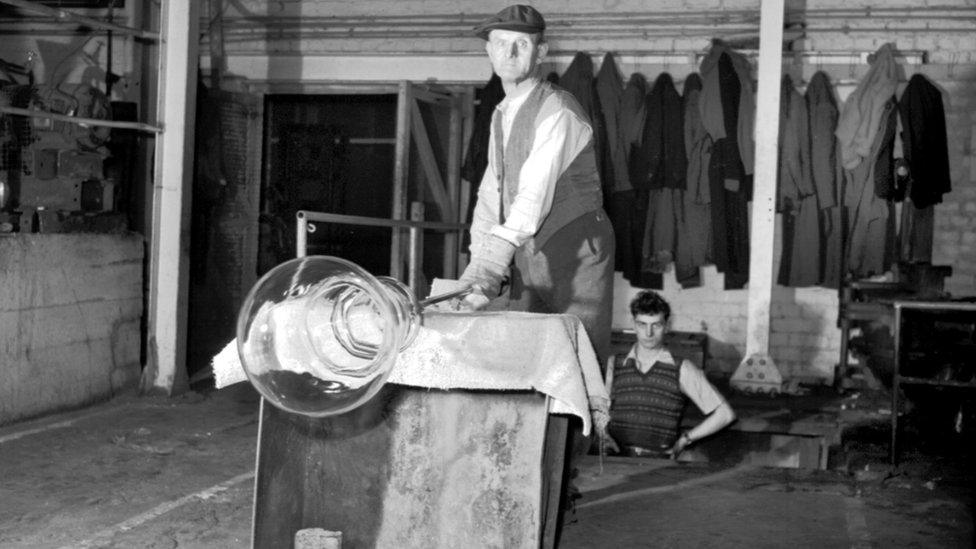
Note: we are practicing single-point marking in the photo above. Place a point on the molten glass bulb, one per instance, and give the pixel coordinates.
(319, 335)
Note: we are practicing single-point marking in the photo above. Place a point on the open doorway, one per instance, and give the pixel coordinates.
(331, 154)
(392, 153)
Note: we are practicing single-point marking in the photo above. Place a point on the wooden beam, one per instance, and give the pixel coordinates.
(165, 370)
(454, 152)
(764, 193)
(429, 95)
(431, 170)
(401, 170)
(216, 38)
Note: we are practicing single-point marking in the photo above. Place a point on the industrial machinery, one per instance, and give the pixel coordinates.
(54, 164)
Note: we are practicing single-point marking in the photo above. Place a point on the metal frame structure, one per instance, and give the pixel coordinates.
(898, 380)
(305, 224)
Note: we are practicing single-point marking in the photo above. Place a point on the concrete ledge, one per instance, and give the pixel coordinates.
(70, 314)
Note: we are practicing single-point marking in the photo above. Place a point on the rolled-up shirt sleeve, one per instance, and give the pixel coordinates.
(485, 215)
(698, 389)
(559, 139)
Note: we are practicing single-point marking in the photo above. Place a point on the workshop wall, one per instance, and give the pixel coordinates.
(425, 40)
(70, 310)
(804, 341)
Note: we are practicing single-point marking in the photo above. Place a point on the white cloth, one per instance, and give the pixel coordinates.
(550, 354)
(559, 138)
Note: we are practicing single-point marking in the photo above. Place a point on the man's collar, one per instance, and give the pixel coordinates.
(520, 93)
(663, 355)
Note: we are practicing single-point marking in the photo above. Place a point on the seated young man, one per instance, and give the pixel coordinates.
(649, 388)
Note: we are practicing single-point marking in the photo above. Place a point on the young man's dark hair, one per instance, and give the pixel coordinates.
(650, 303)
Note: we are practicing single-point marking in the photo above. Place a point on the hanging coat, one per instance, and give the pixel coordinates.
(718, 108)
(796, 196)
(476, 158)
(870, 246)
(663, 148)
(610, 91)
(578, 80)
(693, 248)
(822, 109)
(860, 117)
(925, 142)
(625, 211)
(660, 161)
(729, 186)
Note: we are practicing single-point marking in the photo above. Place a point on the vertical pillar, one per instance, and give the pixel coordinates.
(764, 194)
(165, 370)
(757, 371)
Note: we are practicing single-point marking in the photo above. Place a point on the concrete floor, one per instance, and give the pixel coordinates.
(165, 473)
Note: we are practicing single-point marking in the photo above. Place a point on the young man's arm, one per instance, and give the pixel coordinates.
(718, 413)
(607, 442)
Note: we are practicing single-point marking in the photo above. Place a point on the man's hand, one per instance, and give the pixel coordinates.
(679, 446)
(474, 301)
(601, 419)
(607, 444)
(487, 271)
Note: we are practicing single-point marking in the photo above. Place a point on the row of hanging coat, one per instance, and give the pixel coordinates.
(676, 168)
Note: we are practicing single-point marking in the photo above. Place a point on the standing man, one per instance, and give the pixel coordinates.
(540, 204)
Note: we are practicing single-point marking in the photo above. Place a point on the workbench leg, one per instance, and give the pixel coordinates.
(895, 388)
(554, 461)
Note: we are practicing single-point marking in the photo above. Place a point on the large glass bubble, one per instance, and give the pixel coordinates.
(319, 335)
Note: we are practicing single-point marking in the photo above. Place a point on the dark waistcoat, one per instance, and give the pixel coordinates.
(577, 188)
(646, 409)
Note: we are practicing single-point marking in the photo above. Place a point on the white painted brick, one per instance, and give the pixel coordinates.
(711, 278)
(791, 325)
(805, 341)
(784, 310)
(779, 339)
(785, 353)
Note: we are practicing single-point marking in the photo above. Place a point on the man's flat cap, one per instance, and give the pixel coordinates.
(517, 17)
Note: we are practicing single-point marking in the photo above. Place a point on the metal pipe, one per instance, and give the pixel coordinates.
(412, 258)
(379, 221)
(445, 296)
(83, 121)
(301, 235)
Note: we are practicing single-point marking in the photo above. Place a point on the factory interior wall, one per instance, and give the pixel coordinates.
(70, 312)
(837, 38)
(92, 361)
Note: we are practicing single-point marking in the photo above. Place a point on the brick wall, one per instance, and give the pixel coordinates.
(804, 341)
(70, 310)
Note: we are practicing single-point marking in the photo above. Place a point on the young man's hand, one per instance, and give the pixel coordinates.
(679, 446)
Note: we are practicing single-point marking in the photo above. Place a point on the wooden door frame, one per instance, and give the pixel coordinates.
(451, 194)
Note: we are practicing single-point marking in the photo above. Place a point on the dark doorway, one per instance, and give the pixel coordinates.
(332, 154)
